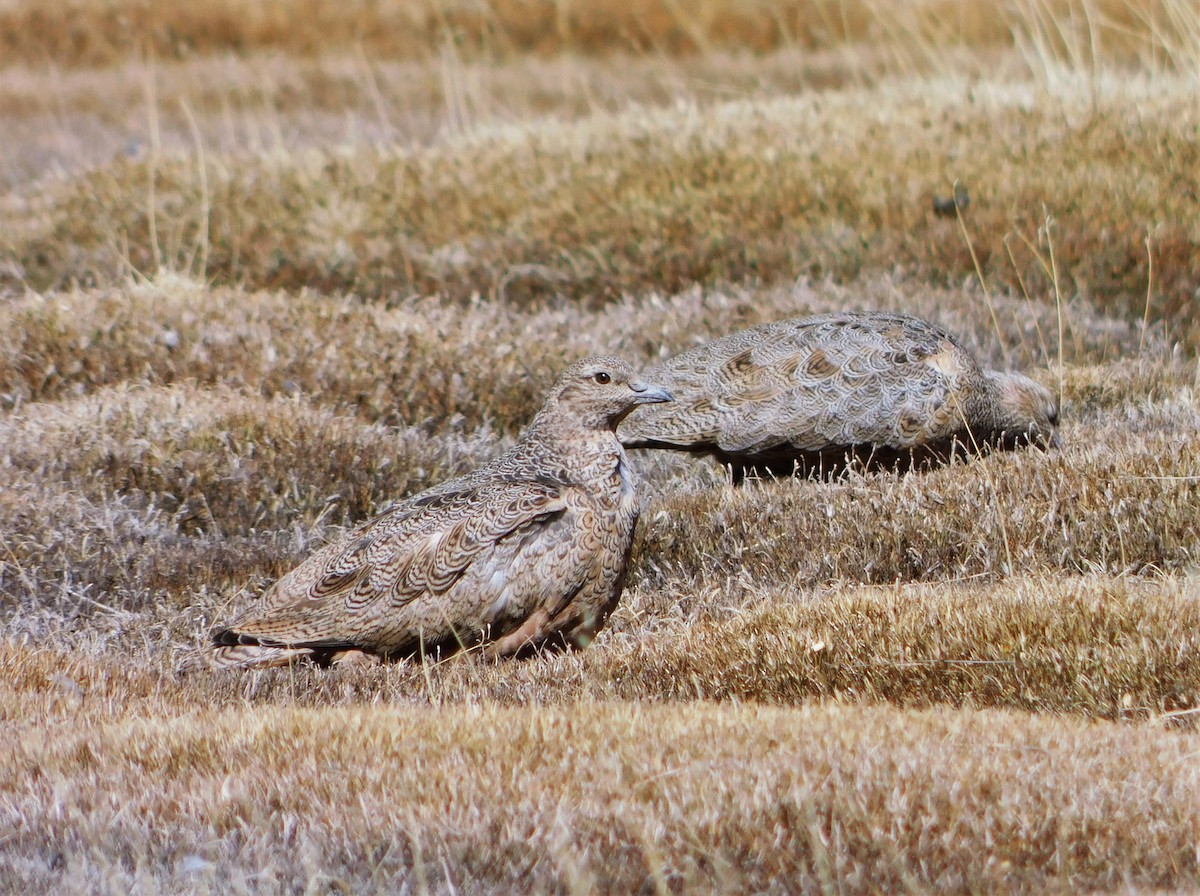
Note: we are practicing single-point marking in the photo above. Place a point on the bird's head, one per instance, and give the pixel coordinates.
(598, 392)
(1027, 411)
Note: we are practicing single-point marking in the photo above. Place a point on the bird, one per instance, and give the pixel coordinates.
(815, 396)
(527, 552)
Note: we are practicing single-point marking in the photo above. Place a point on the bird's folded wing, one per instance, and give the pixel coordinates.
(851, 394)
(456, 531)
(808, 385)
(417, 548)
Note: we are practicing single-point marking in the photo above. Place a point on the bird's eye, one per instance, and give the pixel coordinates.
(602, 378)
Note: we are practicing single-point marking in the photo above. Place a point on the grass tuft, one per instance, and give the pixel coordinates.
(664, 199)
(266, 267)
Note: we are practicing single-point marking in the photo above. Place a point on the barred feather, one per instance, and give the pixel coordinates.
(813, 393)
(528, 551)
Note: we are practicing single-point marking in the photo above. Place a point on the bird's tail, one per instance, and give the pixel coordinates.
(255, 656)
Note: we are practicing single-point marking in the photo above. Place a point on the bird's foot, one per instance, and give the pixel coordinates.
(355, 659)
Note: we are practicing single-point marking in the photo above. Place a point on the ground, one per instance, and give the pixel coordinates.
(266, 267)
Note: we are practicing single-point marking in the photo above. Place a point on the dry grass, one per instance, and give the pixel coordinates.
(662, 199)
(104, 32)
(491, 800)
(429, 363)
(270, 104)
(253, 286)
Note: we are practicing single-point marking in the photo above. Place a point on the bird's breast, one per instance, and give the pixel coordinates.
(625, 475)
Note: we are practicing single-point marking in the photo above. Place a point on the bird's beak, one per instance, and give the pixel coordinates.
(648, 393)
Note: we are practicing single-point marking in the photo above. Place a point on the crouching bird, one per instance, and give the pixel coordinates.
(815, 395)
(527, 552)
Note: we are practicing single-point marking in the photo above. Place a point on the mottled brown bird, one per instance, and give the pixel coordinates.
(814, 395)
(528, 551)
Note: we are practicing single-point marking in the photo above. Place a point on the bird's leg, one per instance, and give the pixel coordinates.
(354, 658)
(531, 631)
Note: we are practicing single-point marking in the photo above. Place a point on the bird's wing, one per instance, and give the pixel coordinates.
(898, 382)
(893, 383)
(420, 547)
(810, 384)
(712, 385)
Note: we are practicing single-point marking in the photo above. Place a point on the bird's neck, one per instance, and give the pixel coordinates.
(579, 451)
(992, 401)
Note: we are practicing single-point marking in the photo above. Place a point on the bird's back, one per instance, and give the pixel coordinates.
(813, 384)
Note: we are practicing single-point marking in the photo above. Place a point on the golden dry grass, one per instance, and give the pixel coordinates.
(260, 104)
(485, 798)
(100, 32)
(259, 285)
(149, 496)
(663, 199)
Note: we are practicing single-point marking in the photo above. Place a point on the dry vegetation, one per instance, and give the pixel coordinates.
(630, 202)
(265, 267)
(103, 32)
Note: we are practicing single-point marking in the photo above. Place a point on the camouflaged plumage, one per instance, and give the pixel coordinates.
(811, 394)
(525, 552)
